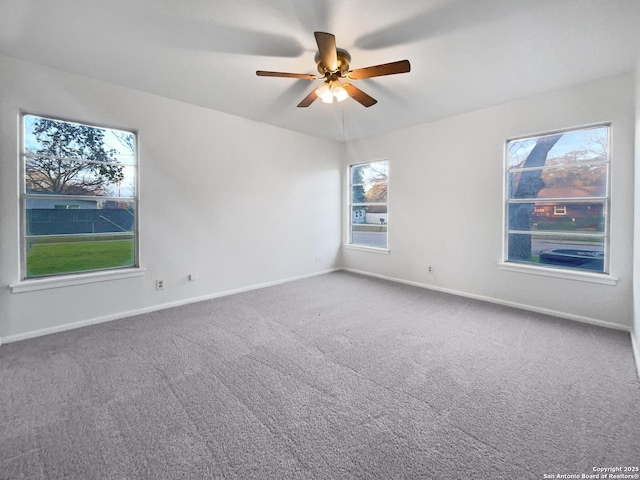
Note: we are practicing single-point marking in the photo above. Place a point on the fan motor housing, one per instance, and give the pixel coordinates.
(343, 63)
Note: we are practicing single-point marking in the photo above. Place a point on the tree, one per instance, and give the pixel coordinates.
(580, 169)
(528, 186)
(370, 182)
(377, 192)
(358, 195)
(49, 171)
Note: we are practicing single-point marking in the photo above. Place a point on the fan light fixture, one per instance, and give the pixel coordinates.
(333, 64)
(330, 90)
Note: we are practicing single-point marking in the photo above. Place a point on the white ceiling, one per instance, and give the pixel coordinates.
(464, 54)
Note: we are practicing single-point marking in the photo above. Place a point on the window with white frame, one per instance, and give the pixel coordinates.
(557, 199)
(368, 188)
(79, 208)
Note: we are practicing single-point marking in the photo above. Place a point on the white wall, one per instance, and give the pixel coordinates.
(446, 194)
(236, 202)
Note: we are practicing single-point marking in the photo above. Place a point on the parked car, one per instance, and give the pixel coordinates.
(565, 257)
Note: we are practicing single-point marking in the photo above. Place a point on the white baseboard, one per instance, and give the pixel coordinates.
(154, 308)
(521, 306)
(107, 318)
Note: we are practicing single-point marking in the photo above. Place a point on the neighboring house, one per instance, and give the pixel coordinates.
(361, 215)
(580, 214)
(63, 204)
(358, 215)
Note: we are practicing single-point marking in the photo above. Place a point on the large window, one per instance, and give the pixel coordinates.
(558, 199)
(368, 205)
(79, 197)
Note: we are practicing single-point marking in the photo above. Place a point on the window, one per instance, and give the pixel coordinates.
(79, 209)
(368, 205)
(558, 200)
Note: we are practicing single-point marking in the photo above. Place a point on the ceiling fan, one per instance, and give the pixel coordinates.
(333, 65)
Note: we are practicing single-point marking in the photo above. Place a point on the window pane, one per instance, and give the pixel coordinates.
(369, 225)
(55, 255)
(369, 235)
(575, 181)
(579, 146)
(371, 193)
(547, 179)
(368, 204)
(558, 251)
(58, 138)
(374, 172)
(79, 197)
(68, 177)
(557, 217)
(48, 217)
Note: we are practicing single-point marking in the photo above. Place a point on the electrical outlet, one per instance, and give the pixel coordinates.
(430, 269)
(160, 284)
(192, 277)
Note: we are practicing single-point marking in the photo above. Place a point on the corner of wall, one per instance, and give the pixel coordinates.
(635, 329)
(635, 347)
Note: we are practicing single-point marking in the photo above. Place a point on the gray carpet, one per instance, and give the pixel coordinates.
(337, 376)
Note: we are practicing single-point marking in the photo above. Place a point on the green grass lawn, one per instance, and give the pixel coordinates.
(369, 227)
(68, 257)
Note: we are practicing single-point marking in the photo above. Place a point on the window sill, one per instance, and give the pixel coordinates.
(75, 279)
(364, 248)
(601, 278)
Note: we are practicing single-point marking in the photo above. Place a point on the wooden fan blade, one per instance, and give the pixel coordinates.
(359, 96)
(327, 48)
(308, 100)
(403, 66)
(304, 76)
